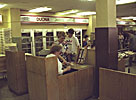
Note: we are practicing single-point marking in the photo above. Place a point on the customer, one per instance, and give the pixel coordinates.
(86, 42)
(60, 41)
(61, 37)
(132, 47)
(120, 40)
(132, 42)
(72, 44)
(55, 51)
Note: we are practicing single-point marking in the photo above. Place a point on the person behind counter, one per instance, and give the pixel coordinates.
(86, 41)
(72, 45)
(60, 41)
(55, 51)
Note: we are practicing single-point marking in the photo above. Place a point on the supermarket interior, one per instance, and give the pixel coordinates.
(67, 50)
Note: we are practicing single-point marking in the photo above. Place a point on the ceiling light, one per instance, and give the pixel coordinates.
(87, 0)
(69, 12)
(124, 1)
(41, 9)
(2, 5)
(128, 17)
(86, 13)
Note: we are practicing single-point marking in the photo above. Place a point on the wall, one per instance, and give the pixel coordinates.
(5, 19)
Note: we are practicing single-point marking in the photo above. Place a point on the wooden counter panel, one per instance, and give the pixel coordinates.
(42, 78)
(77, 85)
(85, 83)
(16, 72)
(36, 65)
(90, 58)
(2, 63)
(115, 85)
(37, 86)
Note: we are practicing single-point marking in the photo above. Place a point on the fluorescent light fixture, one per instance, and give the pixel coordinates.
(2, 5)
(131, 17)
(87, 0)
(41, 9)
(122, 22)
(134, 18)
(124, 1)
(69, 12)
(86, 13)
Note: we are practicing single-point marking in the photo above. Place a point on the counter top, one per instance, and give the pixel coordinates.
(77, 66)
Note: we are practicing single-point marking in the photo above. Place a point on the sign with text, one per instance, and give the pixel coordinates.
(53, 19)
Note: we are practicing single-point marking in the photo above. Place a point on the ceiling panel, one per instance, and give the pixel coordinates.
(61, 5)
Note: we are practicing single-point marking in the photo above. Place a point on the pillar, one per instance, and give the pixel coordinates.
(106, 37)
(15, 25)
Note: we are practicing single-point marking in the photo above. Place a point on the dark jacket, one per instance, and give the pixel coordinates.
(132, 43)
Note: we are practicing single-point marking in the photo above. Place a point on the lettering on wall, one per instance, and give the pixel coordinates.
(53, 19)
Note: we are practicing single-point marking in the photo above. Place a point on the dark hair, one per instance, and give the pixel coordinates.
(71, 31)
(86, 36)
(55, 48)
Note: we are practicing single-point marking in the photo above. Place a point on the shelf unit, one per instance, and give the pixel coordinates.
(38, 40)
(5, 38)
(26, 41)
(34, 40)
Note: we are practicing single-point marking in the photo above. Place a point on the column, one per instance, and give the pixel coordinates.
(106, 37)
(15, 25)
(106, 34)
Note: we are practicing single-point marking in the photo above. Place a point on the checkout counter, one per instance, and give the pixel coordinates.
(125, 58)
(44, 83)
(39, 77)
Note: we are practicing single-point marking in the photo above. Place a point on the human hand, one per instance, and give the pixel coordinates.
(66, 63)
(68, 68)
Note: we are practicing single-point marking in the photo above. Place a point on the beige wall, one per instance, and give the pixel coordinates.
(93, 23)
(89, 28)
(36, 26)
(5, 19)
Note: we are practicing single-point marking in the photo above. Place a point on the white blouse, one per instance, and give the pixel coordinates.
(60, 71)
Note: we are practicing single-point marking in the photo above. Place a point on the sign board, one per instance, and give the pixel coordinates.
(53, 19)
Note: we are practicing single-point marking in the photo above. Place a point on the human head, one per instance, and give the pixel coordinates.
(56, 49)
(61, 36)
(86, 37)
(70, 32)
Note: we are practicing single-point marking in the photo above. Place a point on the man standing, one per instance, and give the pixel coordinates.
(132, 42)
(72, 45)
(132, 47)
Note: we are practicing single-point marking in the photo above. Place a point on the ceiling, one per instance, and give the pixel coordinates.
(62, 5)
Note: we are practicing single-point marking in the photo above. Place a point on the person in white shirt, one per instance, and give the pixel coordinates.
(72, 44)
(55, 51)
(60, 41)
